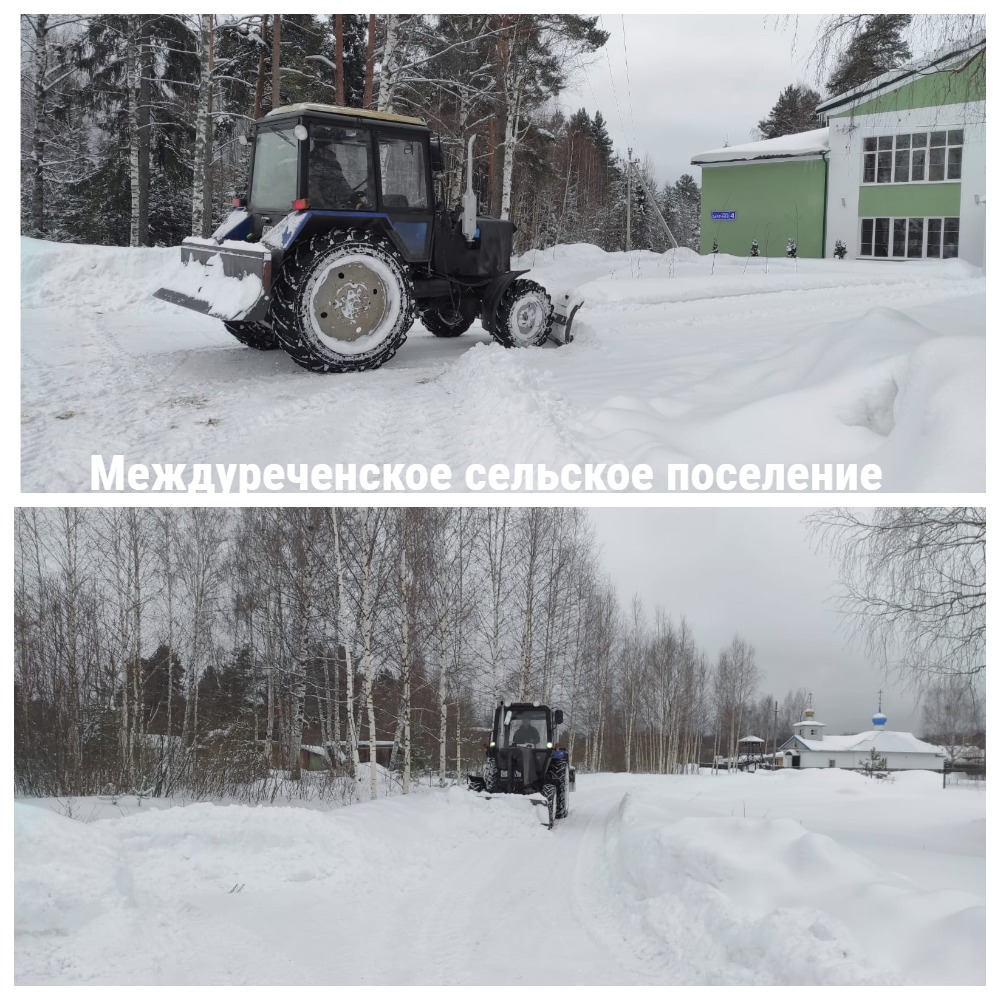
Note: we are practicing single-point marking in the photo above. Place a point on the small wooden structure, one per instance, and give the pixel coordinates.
(750, 753)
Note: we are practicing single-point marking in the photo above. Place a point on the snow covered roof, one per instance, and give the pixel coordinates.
(879, 740)
(809, 143)
(919, 67)
(334, 109)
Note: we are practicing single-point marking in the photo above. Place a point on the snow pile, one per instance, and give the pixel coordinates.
(677, 359)
(816, 877)
(761, 894)
(68, 873)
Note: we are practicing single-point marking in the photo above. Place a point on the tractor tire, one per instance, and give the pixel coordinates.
(259, 336)
(342, 303)
(562, 792)
(445, 322)
(491, 775)
(523, 316)
(551, 793)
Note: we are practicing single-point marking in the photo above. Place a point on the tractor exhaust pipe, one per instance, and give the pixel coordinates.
(469, 208)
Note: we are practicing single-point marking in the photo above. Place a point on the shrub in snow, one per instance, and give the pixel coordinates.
(792, 250)
(840, 250)
(715, 246)
(754, 249)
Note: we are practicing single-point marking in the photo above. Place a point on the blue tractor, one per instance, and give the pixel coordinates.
(522, 758)
(342, 241)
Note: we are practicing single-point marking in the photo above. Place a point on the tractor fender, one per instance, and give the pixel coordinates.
(492, 295)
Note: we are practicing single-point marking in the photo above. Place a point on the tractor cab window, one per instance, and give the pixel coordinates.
(529, 727)
(275, 170)
(404, 174)
(340, 169)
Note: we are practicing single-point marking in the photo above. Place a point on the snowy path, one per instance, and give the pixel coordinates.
(814, 361)
(748, 879)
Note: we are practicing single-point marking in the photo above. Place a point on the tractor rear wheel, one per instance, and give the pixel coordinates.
(342, 303)
(259, 336)
(523, 316)
(445, 322)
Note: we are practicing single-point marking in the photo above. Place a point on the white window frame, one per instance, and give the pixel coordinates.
(925, 235)
(946, 139)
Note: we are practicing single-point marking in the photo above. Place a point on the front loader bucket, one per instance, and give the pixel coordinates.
(229, 280)
(564, 311)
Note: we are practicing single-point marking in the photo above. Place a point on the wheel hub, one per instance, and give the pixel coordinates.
(349, 302)
(528, 317)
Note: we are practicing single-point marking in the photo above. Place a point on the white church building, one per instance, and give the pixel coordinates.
(809, 747)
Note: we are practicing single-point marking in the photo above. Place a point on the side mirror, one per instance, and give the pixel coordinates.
(557, 716)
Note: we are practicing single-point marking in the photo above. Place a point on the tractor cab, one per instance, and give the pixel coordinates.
(344, 165)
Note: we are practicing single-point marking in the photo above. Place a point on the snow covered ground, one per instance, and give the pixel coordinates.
(677, 359)
(818, 877)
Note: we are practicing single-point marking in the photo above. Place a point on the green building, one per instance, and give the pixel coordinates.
(898, 174)
(771, 191)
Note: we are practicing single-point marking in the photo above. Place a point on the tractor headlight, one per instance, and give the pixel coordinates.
(493, 743)
(549, 745)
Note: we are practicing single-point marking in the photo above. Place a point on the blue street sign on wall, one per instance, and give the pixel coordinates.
(723, 216)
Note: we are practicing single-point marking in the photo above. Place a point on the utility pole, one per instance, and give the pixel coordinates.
(775, 761)
(628, 205)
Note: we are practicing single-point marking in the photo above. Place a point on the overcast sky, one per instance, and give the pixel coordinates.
(693, 83)
(753, 571)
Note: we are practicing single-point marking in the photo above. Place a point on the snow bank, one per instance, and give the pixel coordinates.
(68, 873)
(769, 895)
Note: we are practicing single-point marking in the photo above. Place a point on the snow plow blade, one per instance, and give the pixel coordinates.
(563, 314)
(229, 280)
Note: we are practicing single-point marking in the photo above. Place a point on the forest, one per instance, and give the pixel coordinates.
(196, 650)
(134, 126)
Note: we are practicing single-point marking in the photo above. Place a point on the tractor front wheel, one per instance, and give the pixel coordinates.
(551, 793)
(491, 775)
(562, 792)
(342, 303)
(523, 316)
(259, 336)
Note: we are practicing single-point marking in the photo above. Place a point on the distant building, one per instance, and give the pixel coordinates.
(769, 191)
(898, 174)
(809, 747)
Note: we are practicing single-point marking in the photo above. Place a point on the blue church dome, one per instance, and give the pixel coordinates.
(879, 720)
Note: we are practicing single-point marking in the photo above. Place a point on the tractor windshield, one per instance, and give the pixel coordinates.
(275, 170)
(528, 727)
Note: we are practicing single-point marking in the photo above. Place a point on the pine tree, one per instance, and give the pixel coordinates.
(794, 111)
(877, 48)
(687, 201)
